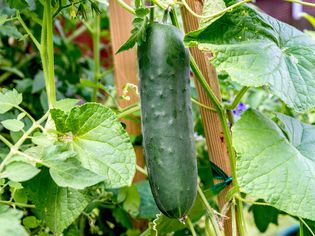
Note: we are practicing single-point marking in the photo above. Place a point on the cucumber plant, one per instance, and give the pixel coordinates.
(68, 170)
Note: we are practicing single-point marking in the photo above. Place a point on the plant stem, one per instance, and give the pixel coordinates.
(309, 4)
(5, 141)
(203, 105)
(210, 211)
(191, 227)
(141, 170)
(226, 131)
(212, 16)
(126, 7)
(307, 226)
(17, 145)
(16, 204)
(28, 31)
(237, 99)
(129, 111)
(50, 54)
(76, 33)
(96, 55)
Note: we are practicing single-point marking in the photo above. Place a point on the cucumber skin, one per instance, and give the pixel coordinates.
(167, 124)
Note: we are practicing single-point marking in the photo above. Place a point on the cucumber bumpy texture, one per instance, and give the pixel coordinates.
(167, 124)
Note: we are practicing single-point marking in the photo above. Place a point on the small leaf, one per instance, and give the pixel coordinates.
(17, 4)
(31, 222)
(21, 116)
(20, 171)
(132, 202)
(66, 104)
(10, 222)
(13, 125)
(39, 82)
(66, 170)
(10, 31)
(138, 34)
(3, 19)
(264, 215)
(142, 12)
(9, 99)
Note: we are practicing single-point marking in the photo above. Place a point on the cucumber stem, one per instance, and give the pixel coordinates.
(191, 227)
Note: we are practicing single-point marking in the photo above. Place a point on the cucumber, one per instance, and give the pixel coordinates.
(167, 124)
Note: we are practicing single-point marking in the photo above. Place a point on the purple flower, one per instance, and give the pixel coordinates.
(239, 109)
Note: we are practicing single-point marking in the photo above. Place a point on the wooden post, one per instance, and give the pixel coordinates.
(211, 122)
(125, 67)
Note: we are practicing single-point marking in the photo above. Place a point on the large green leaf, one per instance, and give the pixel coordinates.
(19, 171)
(96, 135)
(256, 49)
(66, 170)
(271, 167)
(10, 222)
(9, 99)
(58, 207)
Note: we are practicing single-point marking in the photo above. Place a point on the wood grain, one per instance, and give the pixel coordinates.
(125, 68)
(211, 122)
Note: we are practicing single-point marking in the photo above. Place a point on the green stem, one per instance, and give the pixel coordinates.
(309, 4)
(237, 99)
(234, 223)
(5, 141)
(210, 211)
(16, 204)
(307, 226)
(28, 31)
(96, 55)
(216, 14)
(301, 231)
(126, 7)
(141, 170)
(43, 52)
(76, 33)
(191, 227)
(203, 105)
(129, 111)
(151, 11)
(50, 54)
(17, 145)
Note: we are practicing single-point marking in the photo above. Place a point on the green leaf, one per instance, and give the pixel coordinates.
(57, 207)
(264, 215)
(10, 222)
(9, 99)
(66, 170)
(131, 203)
(103, 146)
(270, 167)
(20, 171)
(10, 31)
(13, 125)
(31, 222)
(138, 34)
(17, 4)
(3, 19)
(310, 18)
(66, 104)
(142, 12)
(39, 82)
(256, 49)
(148, 208)
(211, 7)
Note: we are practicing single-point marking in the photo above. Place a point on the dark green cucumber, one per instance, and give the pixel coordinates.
(167, 123)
